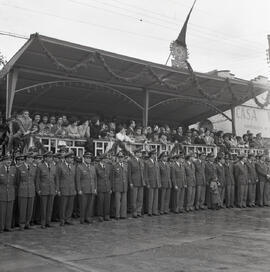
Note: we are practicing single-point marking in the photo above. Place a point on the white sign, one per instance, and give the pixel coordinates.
(253, 119)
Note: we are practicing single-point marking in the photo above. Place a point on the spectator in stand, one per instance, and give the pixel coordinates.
(84, 129)
(245, 140)
(52, 120)
(178, 137)
(208, 139)
(95, 128)
(111, 132)
(122, 136)
(45, 126)
(227, 141)
(37, 118)
(25, 123)
(155, 137)
(72, 129)
(168, 133)
(233, 140)
(65, 121)
(252, 143)
(149, 132)
(188, 139)
(58, 129)
(131, 129)
(138, 136)
(104, 130)
(240, 142)
(259, 142)
(194, 135)
(199, 140)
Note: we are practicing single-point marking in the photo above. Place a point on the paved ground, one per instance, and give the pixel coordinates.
(226, 240)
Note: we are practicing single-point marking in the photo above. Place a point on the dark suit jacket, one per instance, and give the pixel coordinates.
(136, 172)
(26, 180)
(200, 172)
(221, 174)
(7, 183)
(165, 175)
(240, 173)
(210, 172)
(103, 178)
(261, 169)
(190, 174)
(152, 174)
(119, 178)
(46, 181)
(66, 179)
(252, 173)
(178, 175)
(86, 179)
(229, 176)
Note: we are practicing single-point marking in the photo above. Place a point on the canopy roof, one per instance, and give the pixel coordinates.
(58, 76)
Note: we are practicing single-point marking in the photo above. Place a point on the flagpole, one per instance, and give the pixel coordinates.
(168, 58)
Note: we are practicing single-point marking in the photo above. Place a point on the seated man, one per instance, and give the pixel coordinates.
(72, 129)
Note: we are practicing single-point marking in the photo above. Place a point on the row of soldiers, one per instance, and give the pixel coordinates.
(140, 183)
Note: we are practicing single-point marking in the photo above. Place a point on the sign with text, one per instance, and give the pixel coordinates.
(253, 119)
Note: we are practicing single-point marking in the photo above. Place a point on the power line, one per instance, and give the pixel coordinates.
(14, 35)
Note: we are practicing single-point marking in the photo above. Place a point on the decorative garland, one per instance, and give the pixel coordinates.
(256, 100)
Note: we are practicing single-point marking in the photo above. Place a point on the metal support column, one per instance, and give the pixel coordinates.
(233, 120)
(146, 109)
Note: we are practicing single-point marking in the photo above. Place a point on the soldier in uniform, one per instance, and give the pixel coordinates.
(178, 176)
(191, 181)
(66, 179)
(25, 180)
(230, 183)
(200, 181)
(47, 187)
(86, 185)
(166, 183)
(152, 180)
(104, 188)
(266, 198)
(136, 182)
(120, 186)
(221, 178)
(252, 180)
(241, 178)
(7, 192)
(263, 175)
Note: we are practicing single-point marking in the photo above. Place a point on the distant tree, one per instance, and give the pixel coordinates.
(2, 61)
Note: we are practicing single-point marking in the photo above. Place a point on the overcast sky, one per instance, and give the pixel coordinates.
(222, 34)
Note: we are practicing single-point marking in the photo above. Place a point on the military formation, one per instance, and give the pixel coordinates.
(39, 189)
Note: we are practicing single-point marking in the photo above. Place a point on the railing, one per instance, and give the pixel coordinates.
(101, 146)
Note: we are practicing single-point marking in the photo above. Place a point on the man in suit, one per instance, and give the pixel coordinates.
(263, 176)
(66, 172)
(136, 182)
(241, 178)
(166, 183)
(104, 187)
(120, 186)
(26, 180)
(191, 181)
(47, 187)
(230, 183)
(152, 180)
(221, 178)
(179, 185)
(252, 179)
(7, 192)
(200, 181)
(86, 186)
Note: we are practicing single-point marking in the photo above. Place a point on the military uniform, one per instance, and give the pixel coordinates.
(252, 181)
(152, 180)
(230, 184)
(47, 187)
(7, 195)
(221, 182)
(66, 180)
(119, 188)
(25, 179)
(200, 184)
(262, 173)
(241, 178)
(86, 185)
(137, 182)
(191, 185)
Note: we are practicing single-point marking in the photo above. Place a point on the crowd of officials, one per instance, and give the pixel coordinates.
(38, 188)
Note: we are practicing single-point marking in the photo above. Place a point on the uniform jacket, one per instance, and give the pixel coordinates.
(229, 175)
(165, 175)
(136, 172)
(66, 179)
(261, 169)
(26, 180)
(252, 173)
(119, 178)
(221, 174)
(152, 174)
(190, 174)
(7, 183)
(178, 175)
(86, 178)
(200, 172)
(46, 180)
(241, 173)
(210, 172)
(103, 178)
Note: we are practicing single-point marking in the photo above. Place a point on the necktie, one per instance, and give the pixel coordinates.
(7, 169)
(28, 167)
